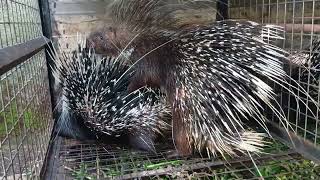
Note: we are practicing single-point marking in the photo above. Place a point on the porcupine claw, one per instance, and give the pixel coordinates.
(174, 154)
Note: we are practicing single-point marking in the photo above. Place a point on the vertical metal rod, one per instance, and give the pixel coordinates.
(222, 10)
(45, 17)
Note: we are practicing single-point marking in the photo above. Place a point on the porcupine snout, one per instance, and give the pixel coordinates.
(102, 41)
(108, 40)
(98, 41)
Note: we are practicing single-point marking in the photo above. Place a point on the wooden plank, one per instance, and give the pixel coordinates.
(15, 55)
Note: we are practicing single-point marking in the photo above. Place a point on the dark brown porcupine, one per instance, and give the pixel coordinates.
(214, 75)
(168, 16)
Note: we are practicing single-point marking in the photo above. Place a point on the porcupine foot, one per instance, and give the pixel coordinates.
(143, 141)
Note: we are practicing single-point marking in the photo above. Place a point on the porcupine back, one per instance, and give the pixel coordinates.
(312, 67)
(132, 17)
(220, 84)
(215, 77)
(95, 101)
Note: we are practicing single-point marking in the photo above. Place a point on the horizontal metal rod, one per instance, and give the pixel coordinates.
(296, 28)
(17, 54)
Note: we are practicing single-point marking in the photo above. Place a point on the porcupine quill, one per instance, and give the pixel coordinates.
(92, 103)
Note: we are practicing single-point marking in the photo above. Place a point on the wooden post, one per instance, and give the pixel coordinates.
(222, 10)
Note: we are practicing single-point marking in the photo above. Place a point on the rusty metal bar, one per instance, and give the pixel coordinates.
(14, 55)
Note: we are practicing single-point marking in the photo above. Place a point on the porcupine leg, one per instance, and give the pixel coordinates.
(179, 132)
(180, 139)
(143, 141)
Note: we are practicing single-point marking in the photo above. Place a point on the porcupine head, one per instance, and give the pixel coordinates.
(143, 18)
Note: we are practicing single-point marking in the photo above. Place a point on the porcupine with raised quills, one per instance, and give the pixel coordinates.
(94, 101)
(214, 76)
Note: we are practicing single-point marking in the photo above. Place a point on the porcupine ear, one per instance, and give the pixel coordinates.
(151, 15)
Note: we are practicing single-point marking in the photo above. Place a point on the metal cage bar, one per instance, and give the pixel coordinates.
(301, 22)
(25, 106)
(89, 160)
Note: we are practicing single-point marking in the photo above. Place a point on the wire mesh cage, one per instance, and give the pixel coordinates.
(19, 22)
(25, 107)
(26, 113)
(90, 160)
(301, 22)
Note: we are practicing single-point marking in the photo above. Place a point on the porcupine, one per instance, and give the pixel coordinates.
(95, 102)
(305, 70)
(310, 62)
(214, 75)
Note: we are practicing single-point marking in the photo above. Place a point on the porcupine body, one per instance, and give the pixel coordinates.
(305, 70)
(214, 76)
(94, 101)
(311, 66)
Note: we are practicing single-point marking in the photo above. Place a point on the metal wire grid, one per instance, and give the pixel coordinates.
(301, 20)
(80, 160)
(77, 160)
(19, 21)
(25, 119)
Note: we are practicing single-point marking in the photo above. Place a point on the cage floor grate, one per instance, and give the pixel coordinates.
(85, 160)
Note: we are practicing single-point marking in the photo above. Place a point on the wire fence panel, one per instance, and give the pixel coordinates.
(89, 160)
(25, 116)
(25, 106)
(19, 21)
(301, 21)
